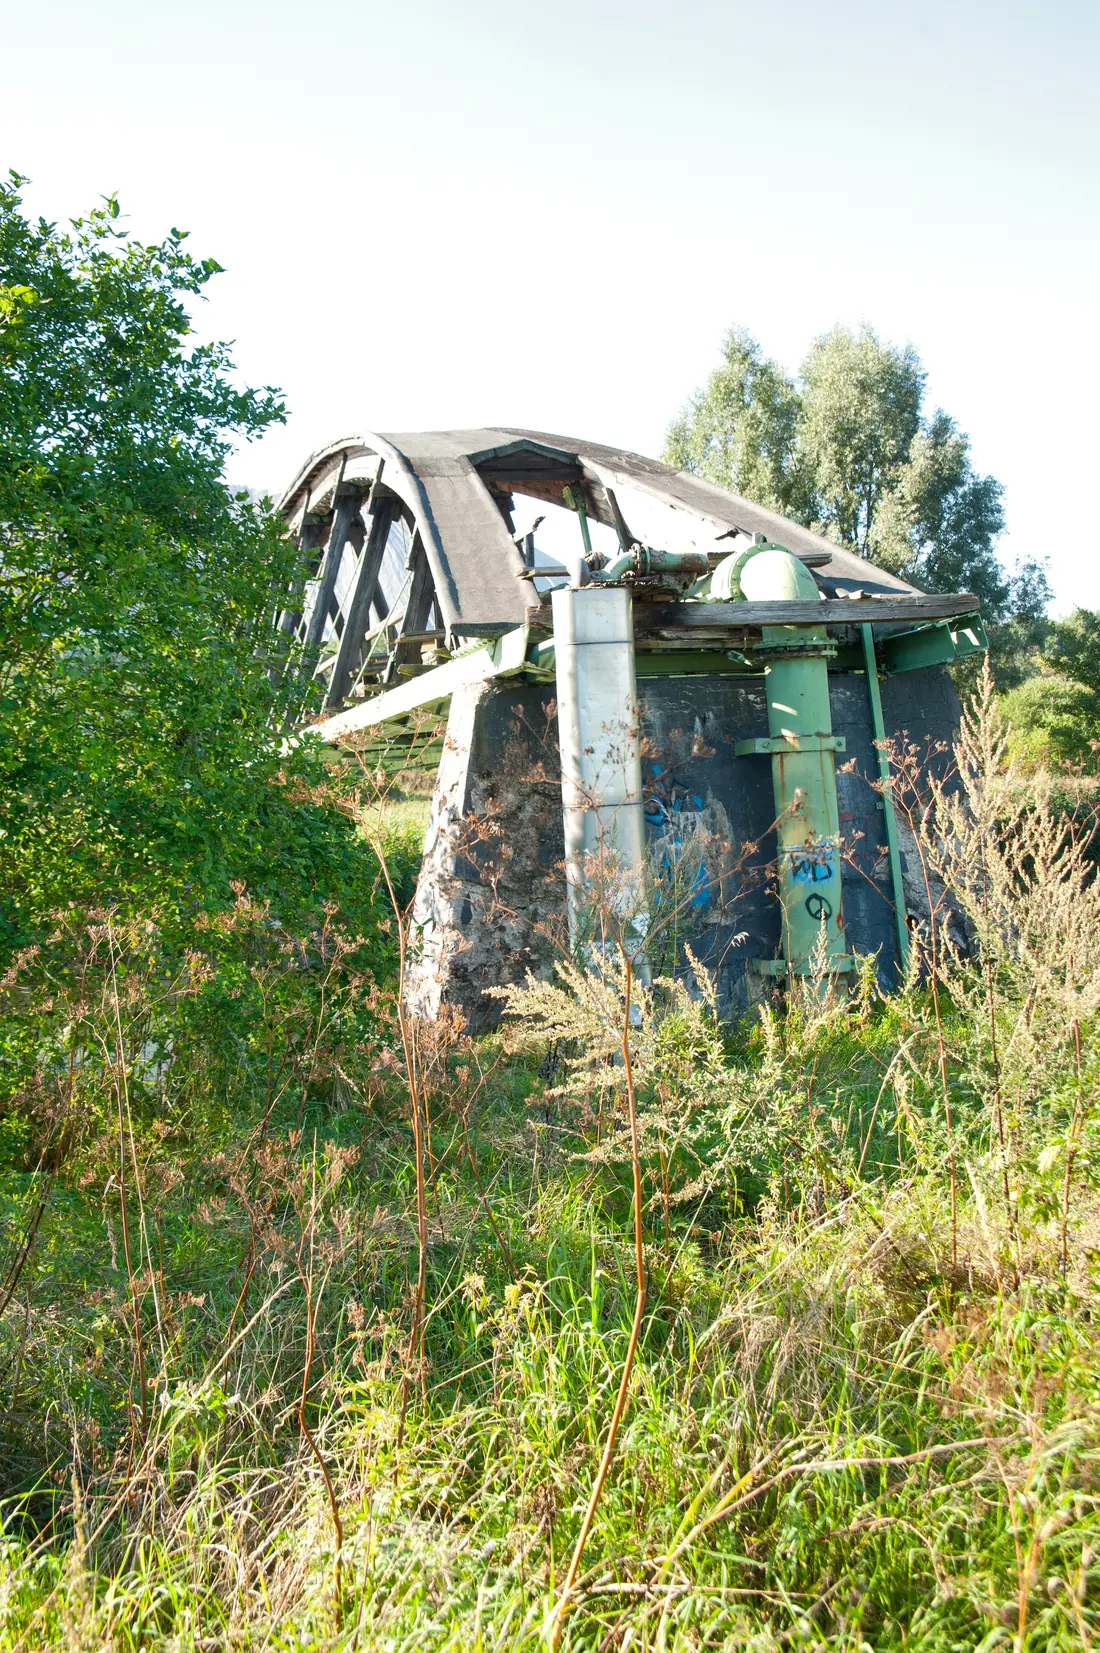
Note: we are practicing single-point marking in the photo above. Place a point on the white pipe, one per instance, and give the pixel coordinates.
(601, 759)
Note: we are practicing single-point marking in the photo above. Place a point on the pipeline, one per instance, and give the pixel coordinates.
(803, 753)
(646, 563)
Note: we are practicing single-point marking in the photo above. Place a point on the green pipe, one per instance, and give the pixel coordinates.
(875, 697)
(574, 497)
(796, 682)
(644, 559)
(615, 569)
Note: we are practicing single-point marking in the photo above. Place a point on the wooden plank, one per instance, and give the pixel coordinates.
(504, 656)
(363, 592)
(345, 509)
(533, 487)
(833, 611)
(515, 477)
(492, 628)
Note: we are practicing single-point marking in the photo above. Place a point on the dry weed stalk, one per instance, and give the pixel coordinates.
(1012, 933)
(305, 1274)
(368, 811)
(911, 797)
(557, 1623)
(1082, 1107)
(1018, 872)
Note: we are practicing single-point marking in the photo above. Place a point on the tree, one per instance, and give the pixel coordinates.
(137, 765)
(860, 411)
(741, 430)
(1057, 713)
(848, 450)
(1072, 648)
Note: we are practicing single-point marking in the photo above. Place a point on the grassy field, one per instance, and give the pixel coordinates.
(268, 1387)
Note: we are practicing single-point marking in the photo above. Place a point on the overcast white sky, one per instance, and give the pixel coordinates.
(497, 212)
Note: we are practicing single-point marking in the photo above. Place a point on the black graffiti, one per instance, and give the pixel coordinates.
(818, 907)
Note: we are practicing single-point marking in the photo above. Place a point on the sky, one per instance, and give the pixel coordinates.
(492, 212)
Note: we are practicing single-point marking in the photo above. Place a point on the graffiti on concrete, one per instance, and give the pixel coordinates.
(811, 863)
(675, 817)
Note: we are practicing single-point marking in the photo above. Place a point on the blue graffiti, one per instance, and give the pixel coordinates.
(811, 863)
(675, 815)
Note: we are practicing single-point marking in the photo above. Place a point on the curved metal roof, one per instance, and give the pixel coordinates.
(455, 487)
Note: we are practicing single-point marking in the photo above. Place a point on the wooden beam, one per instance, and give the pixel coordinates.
(833, 611)
(502, 657)
(357, 616)
(345, 510)
(503, 474)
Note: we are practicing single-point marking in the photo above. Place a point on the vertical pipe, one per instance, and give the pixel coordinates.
(601, 762)
(796, 682)
(879, 728)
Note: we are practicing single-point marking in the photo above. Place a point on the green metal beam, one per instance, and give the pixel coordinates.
(840, 964)
(768, 745)
(689, 663)
(933, 645)
(893, 853)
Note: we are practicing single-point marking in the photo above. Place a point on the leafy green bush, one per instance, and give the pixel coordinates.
(140, 694)
(145, 795)
(1055, 716)
(1054, 722)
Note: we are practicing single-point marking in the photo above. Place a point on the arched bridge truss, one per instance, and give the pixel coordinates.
(411, 552)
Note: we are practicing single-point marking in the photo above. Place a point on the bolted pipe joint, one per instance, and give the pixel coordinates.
(671, 571)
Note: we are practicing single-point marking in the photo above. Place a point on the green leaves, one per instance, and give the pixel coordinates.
(860, 413)
(1073, 649)
(14, 300)
(1057, 713)
(137, 764)
(741, 429)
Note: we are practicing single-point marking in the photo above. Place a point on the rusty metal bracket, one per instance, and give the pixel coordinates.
(766, 745)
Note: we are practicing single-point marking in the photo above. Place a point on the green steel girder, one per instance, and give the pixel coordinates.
(937, 644)
(882, 757)
(802, 749)
(688, 663)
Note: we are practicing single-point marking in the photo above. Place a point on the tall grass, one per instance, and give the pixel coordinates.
(862, 1405)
